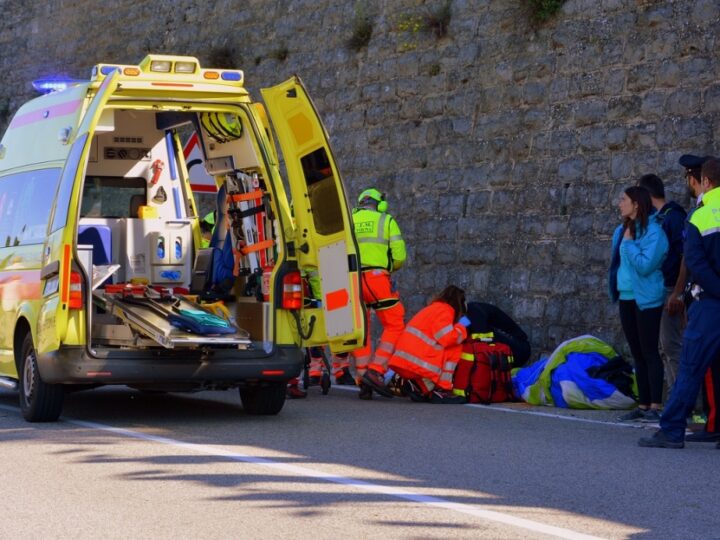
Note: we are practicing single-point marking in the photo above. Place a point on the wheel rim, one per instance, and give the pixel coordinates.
(29, 377)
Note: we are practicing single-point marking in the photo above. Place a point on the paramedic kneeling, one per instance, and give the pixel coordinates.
(428, 350)
(701, 341)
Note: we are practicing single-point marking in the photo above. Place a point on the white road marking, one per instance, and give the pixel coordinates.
(489, 515)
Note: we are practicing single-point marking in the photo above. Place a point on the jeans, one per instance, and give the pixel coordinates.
(671, 338)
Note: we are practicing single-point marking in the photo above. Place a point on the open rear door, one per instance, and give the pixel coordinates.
(324, 239)
(57, 263)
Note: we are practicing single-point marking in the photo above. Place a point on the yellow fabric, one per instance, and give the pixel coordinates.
(380, 240)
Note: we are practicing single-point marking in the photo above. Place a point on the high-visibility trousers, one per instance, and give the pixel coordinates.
(378, 294)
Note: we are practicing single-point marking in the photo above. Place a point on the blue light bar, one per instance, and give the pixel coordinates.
(53, 84)
(107, 70)
(230, 76)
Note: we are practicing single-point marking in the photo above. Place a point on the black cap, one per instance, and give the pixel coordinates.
(690, 161)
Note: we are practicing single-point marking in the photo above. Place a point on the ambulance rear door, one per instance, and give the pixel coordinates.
(57, 271)
(324, 239)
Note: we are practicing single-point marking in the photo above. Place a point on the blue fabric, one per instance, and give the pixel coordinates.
(100, 238)
(223, 264)
(645, 256)
(527, 376)
(701, 346)
(672, 218)
(575, 369)
(702, 253)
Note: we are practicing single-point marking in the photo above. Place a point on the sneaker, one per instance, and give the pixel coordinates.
(376, 381)
(293, 392)
(365, 392)
(411, 389)
(703, 436)
(446, 398)
(633, 416)
(651, 416)
(343, 378)
(660, 440)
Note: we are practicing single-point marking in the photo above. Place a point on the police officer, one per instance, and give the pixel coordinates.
(701, 341)
(382, 252)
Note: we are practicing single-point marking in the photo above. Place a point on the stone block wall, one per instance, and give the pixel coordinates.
(502, 146)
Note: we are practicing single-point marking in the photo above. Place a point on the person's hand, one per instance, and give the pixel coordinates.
(464, 321)
(674, 306)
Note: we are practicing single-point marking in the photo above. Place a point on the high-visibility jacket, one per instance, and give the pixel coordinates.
(430, 345)
(380, 240)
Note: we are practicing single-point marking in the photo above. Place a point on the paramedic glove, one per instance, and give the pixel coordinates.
(464, 321)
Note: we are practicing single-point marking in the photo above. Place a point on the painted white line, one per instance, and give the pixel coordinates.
(538, 413)
(489, 515)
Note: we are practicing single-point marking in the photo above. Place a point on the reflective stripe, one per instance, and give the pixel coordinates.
(710, 231)
(467, 356)
(459, 392)
(447, 376)
(460, 336)
(385, 346)
(450, 366)
(440, 333)
(417, 361)
(429, 341)
(484, 336)
(381, 229)
(371, 241)
(395, 238)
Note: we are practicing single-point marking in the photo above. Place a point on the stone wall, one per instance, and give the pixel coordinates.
(502, 146)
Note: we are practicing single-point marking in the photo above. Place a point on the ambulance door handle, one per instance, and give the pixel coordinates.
(50, 270)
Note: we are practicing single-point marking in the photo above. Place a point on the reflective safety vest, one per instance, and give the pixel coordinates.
(381, 243)
(702, 245)
(422, 347)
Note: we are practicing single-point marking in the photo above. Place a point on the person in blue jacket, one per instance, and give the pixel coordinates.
(639, 248)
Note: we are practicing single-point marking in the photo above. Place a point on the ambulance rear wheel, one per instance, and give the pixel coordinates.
(263, 400)
(39, 401)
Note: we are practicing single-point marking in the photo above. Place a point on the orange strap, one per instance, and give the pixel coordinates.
(242, 197)
(259, 246)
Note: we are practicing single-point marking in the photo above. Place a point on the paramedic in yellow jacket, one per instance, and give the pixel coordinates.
(382, 251)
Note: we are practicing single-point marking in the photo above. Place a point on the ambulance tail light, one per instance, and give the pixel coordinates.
(75, 300)
(292, 296)
(211, 75)
(161, 66)
(131, 71)
(185, 67)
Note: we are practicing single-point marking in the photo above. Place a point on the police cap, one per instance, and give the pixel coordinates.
(692, 162)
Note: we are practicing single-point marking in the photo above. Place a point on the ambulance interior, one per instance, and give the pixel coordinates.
(135, 239)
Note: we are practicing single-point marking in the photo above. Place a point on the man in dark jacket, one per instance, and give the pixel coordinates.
(494, 324)
(672, 218)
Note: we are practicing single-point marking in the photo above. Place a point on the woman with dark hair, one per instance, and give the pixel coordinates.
(429, 348)
(636, 280)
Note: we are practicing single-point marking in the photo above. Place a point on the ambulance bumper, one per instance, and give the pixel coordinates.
(224, 367)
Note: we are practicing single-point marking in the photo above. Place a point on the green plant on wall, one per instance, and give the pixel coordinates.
(362, 29)
(412, 26)
(543, 10)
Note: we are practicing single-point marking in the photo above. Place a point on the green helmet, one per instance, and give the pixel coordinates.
(223, 127)
(377, 196)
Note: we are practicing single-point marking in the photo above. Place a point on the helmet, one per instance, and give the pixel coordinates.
(376, 195)
(223, 127)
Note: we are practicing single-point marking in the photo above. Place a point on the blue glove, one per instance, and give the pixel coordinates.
(464, 321)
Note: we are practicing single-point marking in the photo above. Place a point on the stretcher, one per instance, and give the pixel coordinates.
(159, 317)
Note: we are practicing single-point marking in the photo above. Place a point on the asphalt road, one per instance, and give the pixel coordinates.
(121, 464)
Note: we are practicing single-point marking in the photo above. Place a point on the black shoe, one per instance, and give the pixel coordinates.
(293, 392)
(660, 440)
(314, 380)
(411, 390)
(446, 398)
(365, 392)
(345, 379)
(375, 380)
(702, 436)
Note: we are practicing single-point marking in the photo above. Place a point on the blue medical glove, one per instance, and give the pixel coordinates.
(464, 321)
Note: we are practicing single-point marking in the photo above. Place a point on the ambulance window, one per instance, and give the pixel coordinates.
(112, 196)
(322, 190)
(25, 203)
(67, 182)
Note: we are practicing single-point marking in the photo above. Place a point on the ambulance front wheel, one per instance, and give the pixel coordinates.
(39, 401)
(263, 400)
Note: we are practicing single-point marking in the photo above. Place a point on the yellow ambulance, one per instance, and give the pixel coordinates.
(102, 276)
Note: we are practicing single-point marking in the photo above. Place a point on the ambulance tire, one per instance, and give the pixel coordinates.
(39, 401)
(263, 400)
